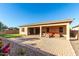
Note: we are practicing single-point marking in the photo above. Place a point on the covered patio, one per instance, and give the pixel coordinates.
(48, 29)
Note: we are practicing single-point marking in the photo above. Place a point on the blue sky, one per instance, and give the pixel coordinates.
(14, 15)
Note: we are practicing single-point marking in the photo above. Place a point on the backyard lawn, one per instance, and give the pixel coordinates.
(10, 35)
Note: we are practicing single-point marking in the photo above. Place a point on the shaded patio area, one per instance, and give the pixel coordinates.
(47, 31)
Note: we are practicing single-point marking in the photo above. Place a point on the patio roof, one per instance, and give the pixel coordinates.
(48, 22)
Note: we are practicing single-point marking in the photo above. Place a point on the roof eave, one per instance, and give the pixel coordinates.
(69, 21)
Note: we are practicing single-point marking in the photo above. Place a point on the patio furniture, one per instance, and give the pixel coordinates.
(44, 34)
(56, 35)
(61, 34)
(51, 34)
(47, 35)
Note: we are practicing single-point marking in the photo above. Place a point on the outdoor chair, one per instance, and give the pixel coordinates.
(57, 35)
(61, 34)
(51, 34)
(44, 34)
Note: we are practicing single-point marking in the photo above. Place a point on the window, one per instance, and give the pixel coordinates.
(61, 29)
(23, 29)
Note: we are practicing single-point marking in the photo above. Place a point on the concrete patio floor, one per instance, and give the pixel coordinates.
(56, 46)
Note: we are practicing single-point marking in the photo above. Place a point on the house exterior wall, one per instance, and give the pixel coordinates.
(67, 32)
(25, 30)
(65, 25)
(78, 35)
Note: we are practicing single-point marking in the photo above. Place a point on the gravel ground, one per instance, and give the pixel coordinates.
(75, 45)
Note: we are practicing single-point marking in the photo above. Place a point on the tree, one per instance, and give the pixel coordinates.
(2, 26)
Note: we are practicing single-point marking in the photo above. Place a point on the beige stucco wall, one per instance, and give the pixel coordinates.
(67, 31)
(25, 30)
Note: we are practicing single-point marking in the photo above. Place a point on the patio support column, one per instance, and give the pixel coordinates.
(26, 31)
(34, 31)
(40, 31)
(67, 32)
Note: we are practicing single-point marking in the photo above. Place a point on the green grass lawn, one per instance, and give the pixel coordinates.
(10, 35)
